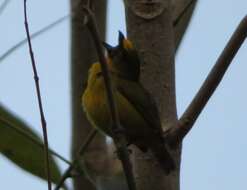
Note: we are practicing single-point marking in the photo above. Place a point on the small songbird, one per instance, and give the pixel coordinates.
(138, 113)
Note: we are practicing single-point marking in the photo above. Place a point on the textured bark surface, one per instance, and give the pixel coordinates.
(82, 55)
(154, 38)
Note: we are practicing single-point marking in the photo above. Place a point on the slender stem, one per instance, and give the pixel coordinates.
(80, 153)
(4, 5)
(42, 116)
(118, 133)
(186, 122)
(32, 36)
(34, 140)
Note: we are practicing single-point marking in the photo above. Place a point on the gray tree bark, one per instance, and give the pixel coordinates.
(150, 27)
(82, 55)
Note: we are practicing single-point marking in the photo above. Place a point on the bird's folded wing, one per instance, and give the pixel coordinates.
(142, 101)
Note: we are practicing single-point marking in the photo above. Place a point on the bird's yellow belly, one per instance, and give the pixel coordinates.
(97, 109)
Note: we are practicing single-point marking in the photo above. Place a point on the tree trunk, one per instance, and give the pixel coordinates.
(82, 55)
(150, 27)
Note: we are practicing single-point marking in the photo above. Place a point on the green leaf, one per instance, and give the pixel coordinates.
(21, 150)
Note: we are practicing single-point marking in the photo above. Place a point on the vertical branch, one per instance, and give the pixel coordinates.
(118, 133)
(83, 54)
(42, 116)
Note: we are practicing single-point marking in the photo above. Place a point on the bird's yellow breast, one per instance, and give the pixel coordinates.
(96, 107)
(95, 104)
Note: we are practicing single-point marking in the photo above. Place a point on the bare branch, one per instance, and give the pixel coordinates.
(32, 36)
(42, 116)
(82, 150)
(182, 13)
(118, 132)
(186, 122)
(3, 6)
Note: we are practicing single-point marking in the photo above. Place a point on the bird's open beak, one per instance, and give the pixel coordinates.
(121, 38)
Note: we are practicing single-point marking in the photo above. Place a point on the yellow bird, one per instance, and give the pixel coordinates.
(137, 111)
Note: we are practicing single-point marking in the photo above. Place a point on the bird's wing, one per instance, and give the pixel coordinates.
(142, 101)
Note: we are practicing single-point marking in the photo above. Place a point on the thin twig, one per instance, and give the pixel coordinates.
(32, 36)
(185, 123)
(3, 6)
(42, 116)
(31, 138)
(80, 153)
(118, 133)
(183, 12)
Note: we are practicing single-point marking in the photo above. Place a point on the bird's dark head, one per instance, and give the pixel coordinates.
(124, 57)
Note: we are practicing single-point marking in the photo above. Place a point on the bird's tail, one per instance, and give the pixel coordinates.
(163, 156)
